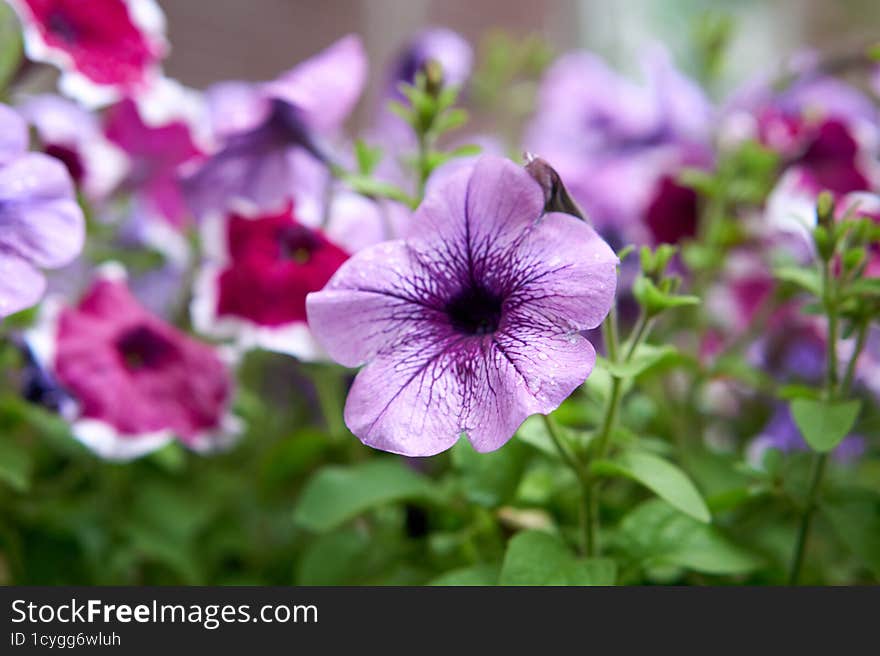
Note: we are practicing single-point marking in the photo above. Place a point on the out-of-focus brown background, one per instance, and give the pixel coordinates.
(256, 39)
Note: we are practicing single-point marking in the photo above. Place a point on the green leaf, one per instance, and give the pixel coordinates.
(855, 518)
(10, 44)
(450, 120)
(660, 476)
(539, 558)
(824, 423)
(807, 279)
(644, 359)
(376, 188)
(655, 300)
(333, 559)
(478, 575)
(337, 494)
(15, 464)
(367, 158)
(489, 479)
(656, 535)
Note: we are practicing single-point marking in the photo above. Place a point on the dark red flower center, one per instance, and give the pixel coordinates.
(672, 212)
(297, 243)
(142, 347)
(70, 158)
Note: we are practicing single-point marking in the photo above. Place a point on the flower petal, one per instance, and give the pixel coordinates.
(39, 218)
(21, 285)
(236, 107)
(567, 274)
(326, 87)
(479, 212)
(13, 134)
(418, 400)
(523, 375)
(373, 302)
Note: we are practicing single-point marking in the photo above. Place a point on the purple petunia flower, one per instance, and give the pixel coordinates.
(41, 225)
(264, 127)
(473, 322)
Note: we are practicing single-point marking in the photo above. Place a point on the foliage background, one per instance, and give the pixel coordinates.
(300, 501)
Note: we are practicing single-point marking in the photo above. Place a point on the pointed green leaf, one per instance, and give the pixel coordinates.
(824, 423)
(660, 476)
(656, 535)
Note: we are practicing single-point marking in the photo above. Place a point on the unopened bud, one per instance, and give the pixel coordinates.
(434, 78)
(825, 209)
(556, 196)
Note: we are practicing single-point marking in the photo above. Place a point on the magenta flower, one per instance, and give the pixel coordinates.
(826, 132)
(473, 322)
(41, 225)
(263, 127)
(135, 381)
(105, 48)
(254, 285)
(156, 152)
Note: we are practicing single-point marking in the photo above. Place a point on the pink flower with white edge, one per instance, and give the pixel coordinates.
(136, 382)
(105, 48)
(260, 267)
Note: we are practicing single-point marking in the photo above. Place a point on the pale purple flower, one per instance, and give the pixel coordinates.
(618, 145)
(41, 225)
(261, 127)
(440, 44)
(73, 135)
(473, 322)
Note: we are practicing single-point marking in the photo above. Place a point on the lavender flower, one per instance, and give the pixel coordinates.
(473, 322)
(73, 135)
(41, 225)
(618, 145)
(262, 126)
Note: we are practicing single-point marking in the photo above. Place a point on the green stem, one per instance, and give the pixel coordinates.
(800, 548)
(585, 516)
(424, 150)
(819, 459)
(861, 338)
(612, 409)
(830, 302)
(329, 388)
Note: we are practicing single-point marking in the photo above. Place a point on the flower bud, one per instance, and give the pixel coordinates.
(825, 209)
(556, 196)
